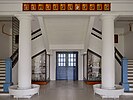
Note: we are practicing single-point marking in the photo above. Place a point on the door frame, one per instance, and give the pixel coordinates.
(76, 72)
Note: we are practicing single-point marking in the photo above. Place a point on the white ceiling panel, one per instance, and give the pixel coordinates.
(66, 29)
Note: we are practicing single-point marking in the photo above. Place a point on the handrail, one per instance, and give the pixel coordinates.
(119, 61)
(35, 31)
(36, 37)
(117, 51)
(13, 55)
(96, 30)
(97, 36)
(15, 61)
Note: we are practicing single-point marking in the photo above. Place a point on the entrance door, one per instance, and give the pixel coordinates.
(67, 66)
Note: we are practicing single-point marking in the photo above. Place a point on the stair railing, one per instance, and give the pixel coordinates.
(8, 74)
(124, 74)
(14, 58)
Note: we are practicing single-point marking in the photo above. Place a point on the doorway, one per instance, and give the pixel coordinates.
(67, 65)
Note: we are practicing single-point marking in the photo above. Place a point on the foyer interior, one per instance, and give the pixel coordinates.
(66, 52)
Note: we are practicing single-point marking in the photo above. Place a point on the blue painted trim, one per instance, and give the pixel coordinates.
(125, 74)
(8, 80)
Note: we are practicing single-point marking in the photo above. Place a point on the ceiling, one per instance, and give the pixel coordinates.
(65, 30)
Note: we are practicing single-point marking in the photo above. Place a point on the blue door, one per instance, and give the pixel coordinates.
(67, 65)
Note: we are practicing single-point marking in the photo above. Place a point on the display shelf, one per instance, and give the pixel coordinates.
(92, 67)
(40, 65)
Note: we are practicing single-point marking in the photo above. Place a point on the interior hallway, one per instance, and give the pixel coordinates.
(66, 90)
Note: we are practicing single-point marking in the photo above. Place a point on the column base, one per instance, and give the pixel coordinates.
(108, 93)
(24, 93)
(126, 87)
(6, 86)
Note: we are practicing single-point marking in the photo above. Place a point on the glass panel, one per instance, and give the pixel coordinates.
(71, 55)
(75, 64)
(58, 55)
(64, 64)
(64, 55)
(71, 64)
(61, 55)
(71, 59)
(75, 55)
(74, 59)
(68, 64)
(58, 64)
(61, 59)
(58, 59)
(61, 64)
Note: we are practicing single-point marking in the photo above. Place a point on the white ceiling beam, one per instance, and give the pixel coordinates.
(44, 32)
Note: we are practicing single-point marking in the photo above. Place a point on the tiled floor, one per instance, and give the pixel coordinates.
(66, 90)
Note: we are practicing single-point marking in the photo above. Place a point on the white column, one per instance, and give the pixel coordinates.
(24, 64)
(108, 67)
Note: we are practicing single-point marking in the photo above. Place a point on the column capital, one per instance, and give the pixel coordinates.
(24, 16)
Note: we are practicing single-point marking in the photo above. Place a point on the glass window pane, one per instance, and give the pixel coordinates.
(64, 55)
(64, 64)
(58, 55)
(74, 64)
(61, 64)
(71, 59)
(58, 64)
(68, 64)
(71, 55)
(58, 59)
(75, 55)
(61, 59)
(61, 55)
(71, 64)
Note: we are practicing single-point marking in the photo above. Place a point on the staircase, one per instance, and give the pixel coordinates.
(130, 75)
(2, 74)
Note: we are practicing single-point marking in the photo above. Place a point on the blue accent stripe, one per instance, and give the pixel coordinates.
(125, 74)
(8, 80)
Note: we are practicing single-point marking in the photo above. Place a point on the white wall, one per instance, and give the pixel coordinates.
(15, 74)
(95, 44)
(5, 40)
(38, 43)
(53, 64)
(128, 45)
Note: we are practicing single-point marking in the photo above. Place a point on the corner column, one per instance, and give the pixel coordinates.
(24, 63)
(108, 66)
